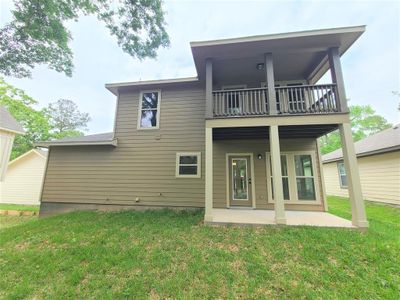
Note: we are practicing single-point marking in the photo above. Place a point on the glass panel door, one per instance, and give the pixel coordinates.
(239, 180)
(304, 177)
(240, 185)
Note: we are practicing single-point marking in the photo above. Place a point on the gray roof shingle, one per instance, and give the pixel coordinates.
(7, 121)
(384, 141)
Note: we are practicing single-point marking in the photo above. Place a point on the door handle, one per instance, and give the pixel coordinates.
(249, 180)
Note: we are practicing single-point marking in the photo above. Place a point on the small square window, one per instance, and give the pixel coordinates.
(188, 165)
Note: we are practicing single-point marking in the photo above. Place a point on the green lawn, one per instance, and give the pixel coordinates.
(19, 207)
(166, 254)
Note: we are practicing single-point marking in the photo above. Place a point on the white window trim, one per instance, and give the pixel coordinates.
(340, 175)
(139, 121)
(292, 178)
(247, 180)
(177, 165)
(269, 175)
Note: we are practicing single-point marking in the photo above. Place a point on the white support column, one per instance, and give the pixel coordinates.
(209, 87)
(209, 176)
(275, 151)
(269, 74)
(359, 218)
(337, 77)
(322, 178)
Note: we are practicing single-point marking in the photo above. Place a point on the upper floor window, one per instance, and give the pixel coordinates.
(149, 110)
(342, 175)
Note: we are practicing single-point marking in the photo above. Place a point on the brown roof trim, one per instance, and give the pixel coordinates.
(113, 142)
(113, 87)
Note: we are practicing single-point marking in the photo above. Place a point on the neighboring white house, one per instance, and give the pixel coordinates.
(378, 158)
(9, 127)
(24, 177)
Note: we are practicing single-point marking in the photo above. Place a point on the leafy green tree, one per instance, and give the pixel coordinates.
(364, 122)
(37, 33)
(21, 107)
(65, 118)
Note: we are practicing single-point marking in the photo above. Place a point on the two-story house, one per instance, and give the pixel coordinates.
(240, 139)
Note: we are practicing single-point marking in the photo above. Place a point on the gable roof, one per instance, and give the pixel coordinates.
(8, 123)
(381, 142)
(38, 152)
(86, 140)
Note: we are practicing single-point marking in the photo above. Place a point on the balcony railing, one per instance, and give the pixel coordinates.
(302, 99)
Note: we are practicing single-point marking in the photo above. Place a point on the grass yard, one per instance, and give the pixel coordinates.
(166, 254)
(10, 221)
(19, 207)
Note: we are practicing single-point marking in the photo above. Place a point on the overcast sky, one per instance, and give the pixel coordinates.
(371, 67)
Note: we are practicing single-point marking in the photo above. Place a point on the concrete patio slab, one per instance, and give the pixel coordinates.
(267, 217)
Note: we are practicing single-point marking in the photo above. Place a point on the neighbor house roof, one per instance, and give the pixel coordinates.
(30, 152)
(381, 142)
(8, 123)
(87, 140)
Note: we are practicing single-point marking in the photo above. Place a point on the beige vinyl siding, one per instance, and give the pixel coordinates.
(258, 146)
(143, 164)
(379, 174)
(23, 180)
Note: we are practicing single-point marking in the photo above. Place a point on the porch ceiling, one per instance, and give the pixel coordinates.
(262, 132)
(297, 55)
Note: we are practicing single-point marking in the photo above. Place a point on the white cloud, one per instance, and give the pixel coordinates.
(371, 67)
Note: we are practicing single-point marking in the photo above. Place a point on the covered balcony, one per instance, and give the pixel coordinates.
(267, 90)
(275, 75)
(300, 99)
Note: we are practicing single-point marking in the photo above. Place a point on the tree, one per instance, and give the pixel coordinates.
(37, 33)
(364, 122)
(66, 119)
(21, 107)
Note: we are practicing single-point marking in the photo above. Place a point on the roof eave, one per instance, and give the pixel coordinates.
(113, 143)
(113, 87)
(297, 34)
(13, 131)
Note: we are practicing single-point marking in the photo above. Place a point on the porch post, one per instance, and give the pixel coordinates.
(209, 86)
(275, 151)
(269, 76)
(337, 77)
(353, 177)
(209, 176)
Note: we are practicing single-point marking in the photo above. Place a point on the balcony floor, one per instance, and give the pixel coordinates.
(267, 217)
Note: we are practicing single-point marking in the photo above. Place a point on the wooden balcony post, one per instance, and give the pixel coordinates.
(359, 217)
(209, 87)
(337, 77)
(209, 175)
(275, 151)
(269, 76)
